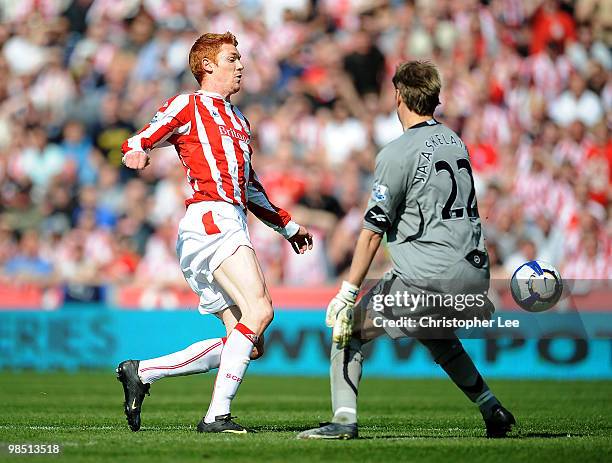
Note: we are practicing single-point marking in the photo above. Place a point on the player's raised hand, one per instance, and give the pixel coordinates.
(340, 313)
(301, 241)
(136, 160)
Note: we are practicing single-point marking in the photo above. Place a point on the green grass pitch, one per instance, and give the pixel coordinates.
(401, 420)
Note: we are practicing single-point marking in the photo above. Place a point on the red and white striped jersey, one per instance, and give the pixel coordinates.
(212, 137)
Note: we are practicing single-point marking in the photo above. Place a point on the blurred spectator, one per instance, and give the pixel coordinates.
(88, 204)
(19, 211)
(40, 161)
(551, 23)
(159, 254)
(576, 103)
(27, 265)
(317, 207)
(365, 64)
(342, 135)
(96, 241)
(76, 14)
(110, 189)
(590, 263)
(498, 271)
(77, 148)
(58, 209)
(483, 152)
(588, 48)
(284, 183)
(547, 238)
(526, 251)
(80, 273)
(112, 128)
(122, 268)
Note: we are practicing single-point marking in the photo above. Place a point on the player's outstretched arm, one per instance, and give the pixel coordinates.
(340, 310)
(168, 120)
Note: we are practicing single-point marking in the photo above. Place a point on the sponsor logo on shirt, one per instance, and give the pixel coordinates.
(233, 133)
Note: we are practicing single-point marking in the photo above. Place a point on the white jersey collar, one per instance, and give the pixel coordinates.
(211, 94)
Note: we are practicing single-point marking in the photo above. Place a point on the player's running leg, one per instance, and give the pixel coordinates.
(199, 357)
(241, 277)
(345, 374)
(136, 376)
(450, 355)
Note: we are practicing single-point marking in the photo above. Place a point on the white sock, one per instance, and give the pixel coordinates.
(235, 360)
(197, 358)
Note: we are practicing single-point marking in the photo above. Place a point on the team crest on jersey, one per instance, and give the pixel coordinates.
(157, 117)
(379, 192)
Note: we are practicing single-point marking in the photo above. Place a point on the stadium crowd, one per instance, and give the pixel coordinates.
(525, 83)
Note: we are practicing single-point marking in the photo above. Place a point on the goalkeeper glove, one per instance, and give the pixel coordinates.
(340, 314)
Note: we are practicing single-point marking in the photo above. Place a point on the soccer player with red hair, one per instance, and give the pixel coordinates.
(212, 138)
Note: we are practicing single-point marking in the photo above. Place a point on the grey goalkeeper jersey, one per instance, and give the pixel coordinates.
(423, 198)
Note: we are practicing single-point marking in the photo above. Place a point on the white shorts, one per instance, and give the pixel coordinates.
(210, 232)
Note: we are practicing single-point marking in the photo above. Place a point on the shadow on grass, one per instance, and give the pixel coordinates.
(529, 435)
(547, 435)
(457, 435)
(265, 429)
(288, 428)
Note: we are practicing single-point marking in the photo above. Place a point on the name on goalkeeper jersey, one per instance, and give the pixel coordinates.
(431, 144)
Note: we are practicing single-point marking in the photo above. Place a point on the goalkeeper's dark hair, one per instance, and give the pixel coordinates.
(419, 85)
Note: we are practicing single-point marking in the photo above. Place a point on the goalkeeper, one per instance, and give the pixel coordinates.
(423, 199)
